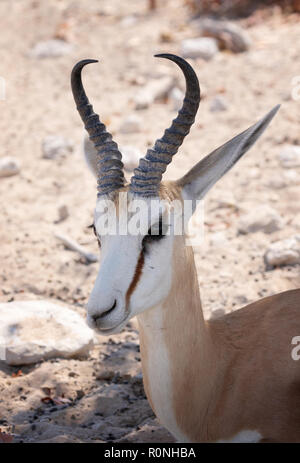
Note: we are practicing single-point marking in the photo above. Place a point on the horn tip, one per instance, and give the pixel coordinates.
(82, 63)
(164, 55)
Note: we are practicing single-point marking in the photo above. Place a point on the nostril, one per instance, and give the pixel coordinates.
(103, 314)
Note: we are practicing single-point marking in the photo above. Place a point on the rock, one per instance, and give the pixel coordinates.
(71, 244)
(155, 89)
(128, 21)
(32, 331)
(56, 146)
(290, 156)
(287, 178)
(218, 104)
(63, 213)
(131, 124)
(137, 385)
(79, 394)
(229, 36)
(261, 218)
(176, 96)
(166, 36)
(106, 375)
(291, 177)
(217, 313)
(51, 49)
(9, 166)
(139, 411)
(62, 439)
(150, 431)
(284, 252)
(202, 47)
(226, 200)
(253, 173)
(130, 157)
(218, 239)
(276, 182)
(109, 432)
(241, 299)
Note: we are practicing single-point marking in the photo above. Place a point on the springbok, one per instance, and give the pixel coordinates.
(231, 379)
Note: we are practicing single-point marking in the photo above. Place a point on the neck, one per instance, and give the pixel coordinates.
(177, 350)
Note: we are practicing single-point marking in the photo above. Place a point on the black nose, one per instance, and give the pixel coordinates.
(103, 314)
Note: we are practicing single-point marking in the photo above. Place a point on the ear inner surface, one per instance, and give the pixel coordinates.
(210, 169)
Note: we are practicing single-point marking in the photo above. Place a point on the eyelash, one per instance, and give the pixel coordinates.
(95, 233)
(152, 238)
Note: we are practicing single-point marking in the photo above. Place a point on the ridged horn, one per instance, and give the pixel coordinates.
(147, 176)
(110, 166)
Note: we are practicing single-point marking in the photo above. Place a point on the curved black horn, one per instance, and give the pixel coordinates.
(147, 176)
(110, 166)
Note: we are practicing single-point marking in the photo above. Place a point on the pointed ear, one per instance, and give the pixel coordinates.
(90, 154)
(209, 170)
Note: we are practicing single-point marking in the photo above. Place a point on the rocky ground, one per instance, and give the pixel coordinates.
(101, 398)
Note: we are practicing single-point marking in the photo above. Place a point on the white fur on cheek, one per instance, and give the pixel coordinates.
(155, 282)
(120, 256)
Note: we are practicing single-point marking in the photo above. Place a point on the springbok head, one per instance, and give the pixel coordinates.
(136, 255)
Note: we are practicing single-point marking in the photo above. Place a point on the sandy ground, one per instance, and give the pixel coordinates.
(105, 396)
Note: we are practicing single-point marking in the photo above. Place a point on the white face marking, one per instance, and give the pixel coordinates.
(243, 437)
(120, 255)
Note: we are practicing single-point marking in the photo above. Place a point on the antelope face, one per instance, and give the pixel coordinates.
(136, 261)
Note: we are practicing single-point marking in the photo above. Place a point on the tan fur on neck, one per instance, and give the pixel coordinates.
(225, 376)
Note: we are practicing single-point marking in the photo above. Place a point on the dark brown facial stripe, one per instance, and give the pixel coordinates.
(137, 275)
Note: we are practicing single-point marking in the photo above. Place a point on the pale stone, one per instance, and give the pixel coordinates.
(292, 177)
(201, 47)
(149, 431)
(131, 124)
(155, 89)
(226, 200)
(218, 104)
(276, 182)
(129, 21)
(9, 166)
(217, 313)
(261, 218)
(130, 157)
(229, 35)
(290, 156)
(63, 213)
(177, 97)
(51, 49)
(56, 146)
(283, 252)
(218, 239)
(32, 331)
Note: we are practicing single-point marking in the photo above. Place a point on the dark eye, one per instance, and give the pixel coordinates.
(155, 233)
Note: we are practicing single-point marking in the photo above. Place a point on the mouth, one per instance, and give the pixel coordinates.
(108, 312)
(112, 329)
